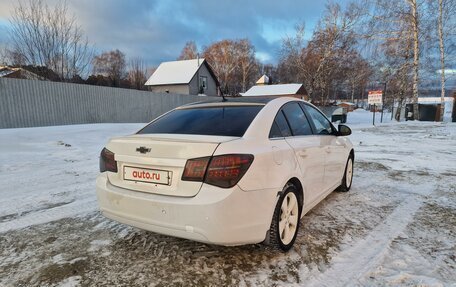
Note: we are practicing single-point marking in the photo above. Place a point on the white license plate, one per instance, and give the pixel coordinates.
(147, 175)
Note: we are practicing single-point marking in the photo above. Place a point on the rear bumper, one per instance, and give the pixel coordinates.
(214, 215)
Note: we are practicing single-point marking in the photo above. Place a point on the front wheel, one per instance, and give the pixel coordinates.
(285, 222)
(348, 176)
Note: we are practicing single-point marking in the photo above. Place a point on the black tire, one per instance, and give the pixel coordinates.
(344, 186)
(274, 237)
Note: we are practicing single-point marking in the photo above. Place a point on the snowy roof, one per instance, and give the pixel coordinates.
(20, 73)
(273, 90)
(6, 71)
(264, 80)
(175, 72)
(434, 100)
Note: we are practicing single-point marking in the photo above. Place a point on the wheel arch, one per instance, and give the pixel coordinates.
(297, 183)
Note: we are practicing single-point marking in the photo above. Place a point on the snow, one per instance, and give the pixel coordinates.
(273, 90)
(394, 228)
(54, 168)
(175, 72)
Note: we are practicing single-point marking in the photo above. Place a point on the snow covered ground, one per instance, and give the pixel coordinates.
(397, 226)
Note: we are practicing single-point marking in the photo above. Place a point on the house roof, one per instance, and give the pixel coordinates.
(5, 71)
(346, 103)
(274, 90)
(177, 72)
(264, 80)
(20, 73)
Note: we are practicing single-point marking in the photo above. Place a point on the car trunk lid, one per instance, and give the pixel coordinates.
(154, 163)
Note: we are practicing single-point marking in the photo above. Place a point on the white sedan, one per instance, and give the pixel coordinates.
(230, 172)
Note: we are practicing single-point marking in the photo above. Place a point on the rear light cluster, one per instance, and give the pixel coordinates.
(107, 162)
(222, 170)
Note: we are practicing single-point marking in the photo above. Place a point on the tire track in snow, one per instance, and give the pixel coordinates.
(352, 263)
(80, 207)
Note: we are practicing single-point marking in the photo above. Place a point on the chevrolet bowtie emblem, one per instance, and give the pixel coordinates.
(143, 149)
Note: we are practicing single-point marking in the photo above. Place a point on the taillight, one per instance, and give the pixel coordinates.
(195, 169)
(223, 170)
(107, 162)
(226, 170)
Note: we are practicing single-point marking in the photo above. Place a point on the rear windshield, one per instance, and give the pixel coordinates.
(214, 121)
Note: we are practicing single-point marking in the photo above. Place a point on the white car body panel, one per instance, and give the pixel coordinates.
(168, 152)
(228, 216)
(310, 154)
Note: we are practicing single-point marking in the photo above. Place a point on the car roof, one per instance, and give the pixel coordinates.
(231, 101)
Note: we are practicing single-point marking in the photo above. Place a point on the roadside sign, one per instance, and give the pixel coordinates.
(375, 97)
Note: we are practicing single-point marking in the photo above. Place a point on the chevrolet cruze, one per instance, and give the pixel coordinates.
(229, 172)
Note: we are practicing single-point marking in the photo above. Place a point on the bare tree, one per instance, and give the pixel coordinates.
(414, 21)
(357, 72)
(137, 73)
(248, 65)
(110, 64)
(446, 27)
(442, 59)
(190, 51)
(319, 64)
(221, 56)
(48, 36)
(234, 63)
(400, 23)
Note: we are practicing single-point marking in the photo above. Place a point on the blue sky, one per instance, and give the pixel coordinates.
(156, 30)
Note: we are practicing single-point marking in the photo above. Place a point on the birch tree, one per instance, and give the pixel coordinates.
(111, 64)
(320, 63)
(189, 52)
(446, 27)
(414, 23)
(395, 28)
(42, 35)
(234, 63)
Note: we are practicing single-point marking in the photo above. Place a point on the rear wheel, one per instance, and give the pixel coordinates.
(285, 222)
(348, 176)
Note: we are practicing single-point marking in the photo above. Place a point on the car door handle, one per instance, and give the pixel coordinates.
(328, 150)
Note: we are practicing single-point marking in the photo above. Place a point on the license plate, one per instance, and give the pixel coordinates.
(147, 175)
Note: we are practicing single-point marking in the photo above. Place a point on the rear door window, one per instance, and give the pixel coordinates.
(217, 121)
(297, 119)
(280, 127)
(321, 123)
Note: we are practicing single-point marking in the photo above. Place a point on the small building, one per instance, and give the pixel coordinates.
(347, 106)
(284, 90)
(18, 73)
(429, 108)
(188, 77)
(264, 80)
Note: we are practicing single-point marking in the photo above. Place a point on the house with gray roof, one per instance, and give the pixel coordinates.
(188, 77)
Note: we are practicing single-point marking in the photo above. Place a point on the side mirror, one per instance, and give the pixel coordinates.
(344, 130)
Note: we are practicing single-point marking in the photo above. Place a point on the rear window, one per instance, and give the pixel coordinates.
(213, 121)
